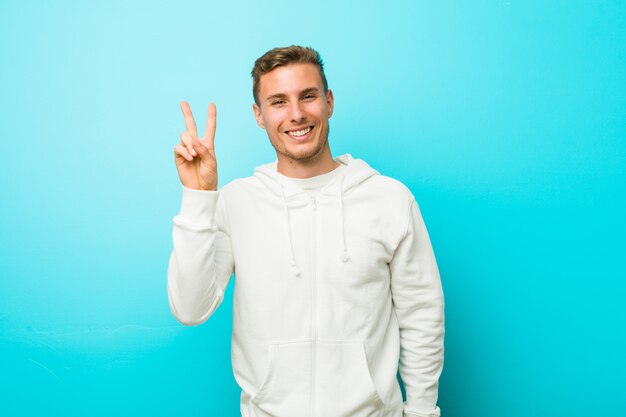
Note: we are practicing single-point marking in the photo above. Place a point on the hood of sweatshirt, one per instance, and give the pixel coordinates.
(356, 172)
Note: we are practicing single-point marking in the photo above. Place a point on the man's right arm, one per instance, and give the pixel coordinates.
(201, 262)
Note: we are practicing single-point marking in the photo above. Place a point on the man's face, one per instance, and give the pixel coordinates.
(294, 111)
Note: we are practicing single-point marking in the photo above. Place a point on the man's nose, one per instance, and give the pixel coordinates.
(296, 112)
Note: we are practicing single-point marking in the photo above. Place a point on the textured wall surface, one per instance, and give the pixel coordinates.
(505, 118)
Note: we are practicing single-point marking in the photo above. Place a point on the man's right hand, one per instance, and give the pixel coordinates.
(194, 156)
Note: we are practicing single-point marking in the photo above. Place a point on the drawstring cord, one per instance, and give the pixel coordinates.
(344, 255)
(292, 259)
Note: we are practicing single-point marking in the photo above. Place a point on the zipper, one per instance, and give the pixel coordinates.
(313, 306)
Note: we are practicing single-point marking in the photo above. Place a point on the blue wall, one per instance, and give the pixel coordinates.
(505, 118)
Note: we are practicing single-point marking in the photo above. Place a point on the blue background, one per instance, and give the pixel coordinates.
(505, 118)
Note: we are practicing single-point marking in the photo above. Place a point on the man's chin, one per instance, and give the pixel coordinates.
(303, 155)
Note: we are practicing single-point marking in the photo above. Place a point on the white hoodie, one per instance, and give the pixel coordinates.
(330, 292)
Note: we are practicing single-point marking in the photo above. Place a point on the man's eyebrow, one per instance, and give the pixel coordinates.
(276, 96)
(309, 91)
(302, 93)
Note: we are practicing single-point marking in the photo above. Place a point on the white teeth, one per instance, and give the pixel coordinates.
(299, 133)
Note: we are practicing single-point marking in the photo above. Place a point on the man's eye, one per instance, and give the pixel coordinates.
(309, 97)
(278, 102)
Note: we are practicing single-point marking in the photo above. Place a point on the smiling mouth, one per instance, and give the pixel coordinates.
(298, 134)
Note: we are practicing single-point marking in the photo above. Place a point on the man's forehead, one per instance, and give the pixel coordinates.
(290, 79)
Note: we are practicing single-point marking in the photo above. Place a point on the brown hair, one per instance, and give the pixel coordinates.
(279, 57)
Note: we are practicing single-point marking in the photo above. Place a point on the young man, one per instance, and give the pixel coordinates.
(336, 281)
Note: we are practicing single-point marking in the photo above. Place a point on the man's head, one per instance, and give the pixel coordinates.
(279, 57)
(293, 105)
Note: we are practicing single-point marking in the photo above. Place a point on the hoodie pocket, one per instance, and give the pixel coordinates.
(286, 391)
(344, 385)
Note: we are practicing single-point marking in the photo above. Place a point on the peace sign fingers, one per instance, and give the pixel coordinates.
(195, 157)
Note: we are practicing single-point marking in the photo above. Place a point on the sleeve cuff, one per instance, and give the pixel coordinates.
(410, 413)
(198, 206)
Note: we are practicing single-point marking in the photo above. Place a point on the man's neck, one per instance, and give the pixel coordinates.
(301, 169)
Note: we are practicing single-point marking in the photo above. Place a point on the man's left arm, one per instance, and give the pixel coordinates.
(419, 306)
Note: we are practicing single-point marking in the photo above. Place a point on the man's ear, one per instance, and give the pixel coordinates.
(330, 101)
(257, 115)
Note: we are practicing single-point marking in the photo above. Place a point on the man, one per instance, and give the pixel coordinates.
(336, 281)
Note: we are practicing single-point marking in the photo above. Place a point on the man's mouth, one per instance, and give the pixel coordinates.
(300, 133)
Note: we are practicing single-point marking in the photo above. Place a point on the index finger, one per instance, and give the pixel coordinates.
(189, 122)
